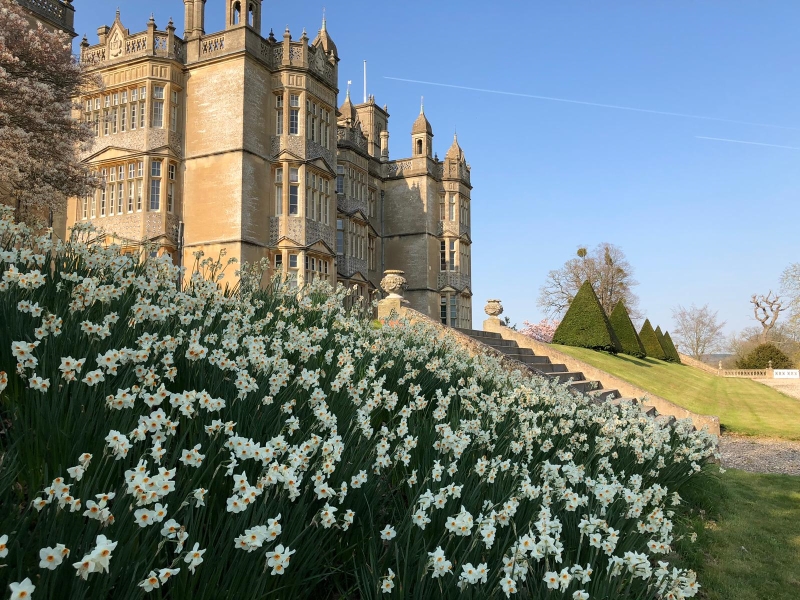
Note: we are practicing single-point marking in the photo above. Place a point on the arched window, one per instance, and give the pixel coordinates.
(251, 15)
(419, 146)
(237, 13)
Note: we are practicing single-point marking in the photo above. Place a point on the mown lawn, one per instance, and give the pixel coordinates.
(748, 544)
(742, 405)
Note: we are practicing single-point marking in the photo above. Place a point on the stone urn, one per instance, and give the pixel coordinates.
(493, 308)
(393, 283)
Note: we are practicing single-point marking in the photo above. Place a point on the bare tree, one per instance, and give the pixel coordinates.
(39, 139)
(766, 310)
(697, 330)
(606, 268)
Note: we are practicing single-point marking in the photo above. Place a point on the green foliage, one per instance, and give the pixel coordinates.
(626, 332)
(586, 325)
(664, 346)
(650, 342)
(760, 357)
(670, 349)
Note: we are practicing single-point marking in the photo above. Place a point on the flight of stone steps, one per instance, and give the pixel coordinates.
(541, 365)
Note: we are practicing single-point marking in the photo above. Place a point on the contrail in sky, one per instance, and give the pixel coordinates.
(702, 137)
(584, 103)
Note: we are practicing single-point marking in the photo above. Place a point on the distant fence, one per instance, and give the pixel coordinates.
(786, 373)
(747, 373)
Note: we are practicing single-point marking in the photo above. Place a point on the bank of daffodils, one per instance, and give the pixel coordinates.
(268, 444)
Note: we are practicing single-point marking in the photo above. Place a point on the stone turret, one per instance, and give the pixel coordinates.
(324, 41)
(422, 135)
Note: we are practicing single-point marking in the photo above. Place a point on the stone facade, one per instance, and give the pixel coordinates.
(235, 141)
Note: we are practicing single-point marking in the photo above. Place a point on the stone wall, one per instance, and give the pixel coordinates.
(688, 360)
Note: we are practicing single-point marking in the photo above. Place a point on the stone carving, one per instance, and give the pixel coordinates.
(451, 228)
(266, 52)
(115, 45)
(129, 140)
(349, 205)
(277, 53)
(157, 138)
(493, 308)
(160, 44)
(178, 49)
(393, 283)
(316, 231)
(213, 45)
(454, 279)
(293, 143)
(136, 45)
(274, 229)
(396, 169)
(51, 7)
(296, 146)
(176, 143)
(154, 226)
(295, 54)
(315, 150)
(91, 57)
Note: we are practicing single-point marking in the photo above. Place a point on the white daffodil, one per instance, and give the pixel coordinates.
(151, 582)
(279, 559)
(388, 533)
(50, 558)
(194, 557)
(22, 590)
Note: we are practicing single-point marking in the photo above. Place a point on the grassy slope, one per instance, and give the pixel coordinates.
(742, 405)
(748, 545)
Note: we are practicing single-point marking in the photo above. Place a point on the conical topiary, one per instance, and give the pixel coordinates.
(663, 343)
(626, 332)
(586, 325)
(670, 349)
(650, 342)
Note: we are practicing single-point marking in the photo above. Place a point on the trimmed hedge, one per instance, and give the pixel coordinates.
(650, 342)
(670, 349)
(760, 357)
(626, 332)
(664, 345)
(586, 325)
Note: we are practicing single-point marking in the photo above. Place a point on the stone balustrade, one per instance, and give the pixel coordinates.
(57, 12)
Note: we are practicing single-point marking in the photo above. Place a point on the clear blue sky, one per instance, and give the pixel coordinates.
(700, 220)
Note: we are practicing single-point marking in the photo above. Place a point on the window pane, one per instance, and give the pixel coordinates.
(293, 199)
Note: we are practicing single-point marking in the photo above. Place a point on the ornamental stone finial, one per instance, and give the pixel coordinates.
(393, 283)
(493, 308)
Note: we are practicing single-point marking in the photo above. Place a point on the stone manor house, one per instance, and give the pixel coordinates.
(234, 140)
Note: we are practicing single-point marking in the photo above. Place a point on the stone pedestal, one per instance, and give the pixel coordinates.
(493, 308)
(392, 283)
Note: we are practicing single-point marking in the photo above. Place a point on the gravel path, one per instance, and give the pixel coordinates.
(760, 455)
(790, 387)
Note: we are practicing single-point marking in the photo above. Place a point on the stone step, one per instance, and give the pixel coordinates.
(477, 333)
(530, 359)
(499, 344)
(605, 395)
(585, 386)
(558, 372)
(565, 376)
